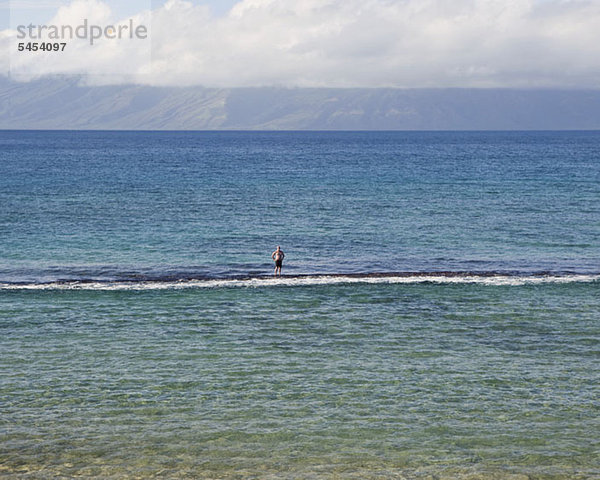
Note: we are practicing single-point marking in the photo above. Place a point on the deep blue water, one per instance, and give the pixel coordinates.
(439, 314)
(109, 205)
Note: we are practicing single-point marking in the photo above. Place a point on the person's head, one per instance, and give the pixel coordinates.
(278, 247)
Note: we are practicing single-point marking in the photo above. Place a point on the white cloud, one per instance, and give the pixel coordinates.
(31, 4)
(349, 43)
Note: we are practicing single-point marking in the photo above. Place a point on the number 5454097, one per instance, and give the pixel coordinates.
(43, 46)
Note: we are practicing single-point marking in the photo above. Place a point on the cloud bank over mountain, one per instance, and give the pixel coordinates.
(64, 104)
(334, 43)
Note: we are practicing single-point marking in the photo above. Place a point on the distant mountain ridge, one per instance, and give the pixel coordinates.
(61, 103)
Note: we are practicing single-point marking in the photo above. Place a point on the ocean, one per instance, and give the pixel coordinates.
(438, 315)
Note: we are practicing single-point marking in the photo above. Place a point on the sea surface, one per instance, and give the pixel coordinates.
(438, 316)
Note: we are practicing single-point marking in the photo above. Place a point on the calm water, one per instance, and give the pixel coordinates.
(141, 335)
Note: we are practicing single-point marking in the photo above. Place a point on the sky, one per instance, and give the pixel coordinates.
(317, 43)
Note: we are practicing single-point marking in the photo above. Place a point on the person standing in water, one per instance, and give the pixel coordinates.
(278, 256)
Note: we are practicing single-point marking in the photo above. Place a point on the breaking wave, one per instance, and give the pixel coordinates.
(239, 281)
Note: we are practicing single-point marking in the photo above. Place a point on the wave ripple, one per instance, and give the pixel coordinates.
(240, 281)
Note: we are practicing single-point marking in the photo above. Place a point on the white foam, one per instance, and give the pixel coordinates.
(492, 280)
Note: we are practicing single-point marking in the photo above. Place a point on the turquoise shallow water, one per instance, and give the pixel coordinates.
(439, 316)
(340, 381)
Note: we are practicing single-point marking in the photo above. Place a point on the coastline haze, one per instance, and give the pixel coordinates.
(62, 103)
